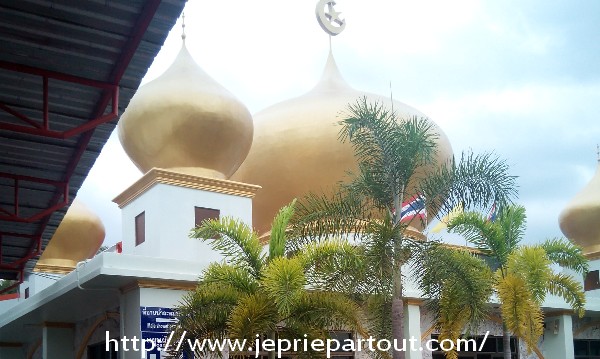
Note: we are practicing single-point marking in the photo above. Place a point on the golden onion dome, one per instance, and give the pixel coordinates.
(77, 238)
(296, 148)
(579, 221)
(185, 121)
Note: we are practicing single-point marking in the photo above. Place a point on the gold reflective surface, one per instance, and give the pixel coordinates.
(77, 238)
(580, 220)
(296, 147)
(185, 121)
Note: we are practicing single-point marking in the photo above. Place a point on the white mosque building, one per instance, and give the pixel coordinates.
(204, 155)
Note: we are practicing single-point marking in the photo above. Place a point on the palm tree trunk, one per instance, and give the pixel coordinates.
(506, 341)
(398, 316)
(397, 297)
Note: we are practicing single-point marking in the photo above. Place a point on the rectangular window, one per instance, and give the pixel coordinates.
(26, 292)
(205, 213)
(587, 348)
(592, 281)
(140, 228)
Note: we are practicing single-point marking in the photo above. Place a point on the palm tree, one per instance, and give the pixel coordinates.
(256, 292)
(396, 158)
(521, 275)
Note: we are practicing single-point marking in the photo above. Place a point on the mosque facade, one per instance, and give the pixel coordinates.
(204, 155)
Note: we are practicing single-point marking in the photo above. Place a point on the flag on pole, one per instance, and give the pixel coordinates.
(493, 213)
(458, 209)
(413, 207)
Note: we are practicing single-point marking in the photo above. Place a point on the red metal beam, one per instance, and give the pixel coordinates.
(15, 217)
(139, 29)
(55, 75)
(44, 130)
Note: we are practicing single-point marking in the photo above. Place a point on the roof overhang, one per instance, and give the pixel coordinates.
(67, 70)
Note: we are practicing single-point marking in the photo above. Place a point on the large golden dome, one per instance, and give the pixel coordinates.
(296, 148)
(580, 220)
(185, 121)
(77, 238)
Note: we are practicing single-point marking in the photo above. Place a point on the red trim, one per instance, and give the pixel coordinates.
(9, 296)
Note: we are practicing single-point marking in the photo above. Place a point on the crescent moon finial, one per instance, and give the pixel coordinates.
(329, 19)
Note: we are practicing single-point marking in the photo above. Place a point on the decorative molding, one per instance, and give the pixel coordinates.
(413, 301)
(558, 313)
(159, 284)
(62, 325)
(52, 268)
(592, 255)
(158, 175)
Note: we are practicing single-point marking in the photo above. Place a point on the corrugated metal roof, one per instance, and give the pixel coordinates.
(95, 40)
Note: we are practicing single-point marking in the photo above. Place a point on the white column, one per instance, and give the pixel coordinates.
(412, 328)
(558, 338)
(58, 341)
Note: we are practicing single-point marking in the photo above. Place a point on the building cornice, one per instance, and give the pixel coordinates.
(162, 176)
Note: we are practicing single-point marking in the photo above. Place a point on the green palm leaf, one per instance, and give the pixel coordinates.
(234, 240)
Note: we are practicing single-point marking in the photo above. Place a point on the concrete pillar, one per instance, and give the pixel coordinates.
(12, 351)
(412, 328)
(58, 340)
(558, 337)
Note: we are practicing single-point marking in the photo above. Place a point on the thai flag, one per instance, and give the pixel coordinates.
(493, 213)
(414, 207)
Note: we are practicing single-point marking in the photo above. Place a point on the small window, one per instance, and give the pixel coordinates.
(140, 228)
(99, 350)
(205, 213)
(26, 292)
(591, 281)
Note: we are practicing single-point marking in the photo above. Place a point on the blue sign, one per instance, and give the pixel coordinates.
(157, 319)
(156, 323)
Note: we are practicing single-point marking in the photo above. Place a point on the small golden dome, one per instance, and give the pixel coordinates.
(77, 238)
(185, 121)
(296, 148)
(580, 220)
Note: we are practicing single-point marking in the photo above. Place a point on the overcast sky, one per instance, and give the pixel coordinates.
(520, 78)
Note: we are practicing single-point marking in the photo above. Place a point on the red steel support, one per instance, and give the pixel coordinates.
(15, 217)
(110, 93)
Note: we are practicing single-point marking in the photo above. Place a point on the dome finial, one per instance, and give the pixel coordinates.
(329, 20)
(183, 26)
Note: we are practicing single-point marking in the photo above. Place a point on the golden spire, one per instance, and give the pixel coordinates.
(183, 26)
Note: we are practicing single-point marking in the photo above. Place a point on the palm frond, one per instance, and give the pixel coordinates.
(485, 235)
(513, 221)
(458, 283)
(521, 315)
(317, 217)
(278, 239)
(204, 312)
(234, 240)
(334, 265)
(235, 277)
(324, 309)
(476, 182)
(253, 314)
(283, 281)
(388, 150)
(531, 265)
(566, 254)
(570, 290)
